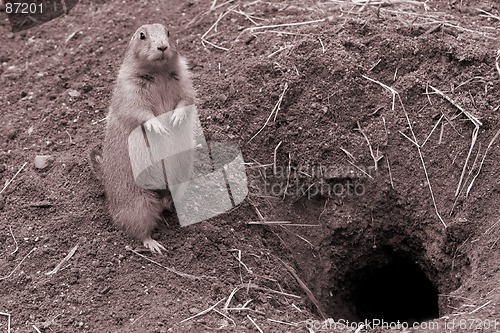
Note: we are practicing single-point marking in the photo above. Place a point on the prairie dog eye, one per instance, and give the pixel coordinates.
(142, 35)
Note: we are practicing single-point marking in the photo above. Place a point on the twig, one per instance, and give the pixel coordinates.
(481, 164)
(308, 292)
(65, 259)
(14, 177)
(275, 109)
(15, 241)
(254, 323)
(172, 270)
(17, 266)
(202, 312)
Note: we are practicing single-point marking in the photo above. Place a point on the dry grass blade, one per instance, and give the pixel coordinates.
(432, 131)
(375, 158)
(275, 109)
(282, 322)
(202, 312)
(65, 259)
(256, 287)
(471, 117)
(275, 167)
(414, 140)
(348, 154)
(15, 241)
(391, 90)
(497, 61)
(172, 270)
(14, 177)
(475, 133)
(487, 14)
(287, 223)
(230, 297)
(8, 320)
(255, 324)
(479, 308)
(283, 25)
(390, 172)
(482, 161)
(389, 2)
(17, 266)
(308, 292)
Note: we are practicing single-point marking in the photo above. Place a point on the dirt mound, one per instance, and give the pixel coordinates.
(369, 134)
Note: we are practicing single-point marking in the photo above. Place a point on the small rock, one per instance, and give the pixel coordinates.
(104, 290)
(74, 93)
(87, 88)
(43, 161)
(194, 310)
(12, 134)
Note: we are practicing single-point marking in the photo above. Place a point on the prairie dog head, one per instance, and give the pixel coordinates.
(150, 45)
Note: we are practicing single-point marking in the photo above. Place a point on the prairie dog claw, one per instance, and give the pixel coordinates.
(154, 125)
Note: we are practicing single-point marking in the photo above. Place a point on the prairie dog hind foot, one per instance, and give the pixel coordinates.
(153, 246)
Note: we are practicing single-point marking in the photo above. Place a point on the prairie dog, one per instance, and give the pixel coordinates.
(153, 79)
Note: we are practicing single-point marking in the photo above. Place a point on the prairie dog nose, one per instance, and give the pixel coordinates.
(162, 48)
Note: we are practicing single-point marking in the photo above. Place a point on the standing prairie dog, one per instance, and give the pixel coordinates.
(153, 79)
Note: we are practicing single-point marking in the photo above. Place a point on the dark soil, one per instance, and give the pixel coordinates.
(365, 236)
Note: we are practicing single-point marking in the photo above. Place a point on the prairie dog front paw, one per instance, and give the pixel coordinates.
(180, 112)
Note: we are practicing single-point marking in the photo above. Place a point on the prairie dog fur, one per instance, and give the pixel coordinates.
(153, 79)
